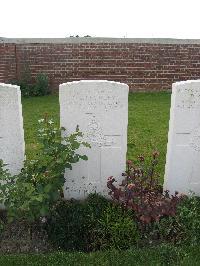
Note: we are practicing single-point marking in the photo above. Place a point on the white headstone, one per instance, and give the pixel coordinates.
(182, 171)
(11, 128)
(100, 109)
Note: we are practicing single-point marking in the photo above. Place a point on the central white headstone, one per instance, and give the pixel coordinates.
(100, 109)
(182, 172)
(11, 128)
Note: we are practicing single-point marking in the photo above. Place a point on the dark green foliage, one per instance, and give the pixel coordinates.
(70, 222)
(188, 217)
(184, 227)
(29, 88)
(41, 86)
(91, 225)
(25, 82)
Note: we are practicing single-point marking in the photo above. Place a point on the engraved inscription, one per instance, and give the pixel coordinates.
(90, 101)
(188, 98)
(195, 139)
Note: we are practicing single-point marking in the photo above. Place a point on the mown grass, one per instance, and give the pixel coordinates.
(35, 108)
(148, 256)
(147, 128)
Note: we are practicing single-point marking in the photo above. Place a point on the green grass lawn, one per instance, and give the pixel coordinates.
(148, 257)
(147, 129)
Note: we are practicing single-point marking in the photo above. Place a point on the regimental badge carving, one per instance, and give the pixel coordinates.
(94, 134)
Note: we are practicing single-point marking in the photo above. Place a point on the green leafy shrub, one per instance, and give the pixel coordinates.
(70, 222)
(41, 86)
(33, 193)
(184, 227)
(25, 82)
(29, 88)
(188, 217)
(91, 225)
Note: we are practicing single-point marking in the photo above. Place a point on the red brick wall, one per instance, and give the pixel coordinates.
(143, 66)
(7, 63)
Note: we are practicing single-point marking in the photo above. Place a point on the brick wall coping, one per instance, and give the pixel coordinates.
(98, 40)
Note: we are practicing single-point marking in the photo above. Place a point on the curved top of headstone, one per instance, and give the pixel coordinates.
(186, 82)
(94, 95)
(12, 146)
(96, 81)
(9, 85)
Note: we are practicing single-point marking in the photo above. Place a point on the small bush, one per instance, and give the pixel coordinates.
(185, 226)
(188, 218)
(141, 192)
(25, 82)
(28, 88)
(182, 228)
(91, 225)
(70, 222)
(41, 86)
(32, 193)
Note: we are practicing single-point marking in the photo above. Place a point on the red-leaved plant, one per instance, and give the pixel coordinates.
(140, 191)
